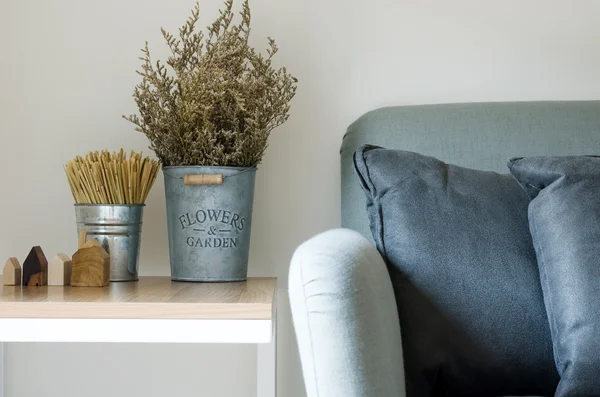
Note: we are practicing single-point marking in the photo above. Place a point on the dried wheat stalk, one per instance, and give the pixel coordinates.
(111, 178)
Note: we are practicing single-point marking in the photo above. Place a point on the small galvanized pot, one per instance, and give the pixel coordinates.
(119, 229)
(209, 214)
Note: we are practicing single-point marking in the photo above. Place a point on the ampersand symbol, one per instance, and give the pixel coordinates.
(212, 231)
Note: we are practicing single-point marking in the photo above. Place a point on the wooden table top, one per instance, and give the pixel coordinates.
(148, 298)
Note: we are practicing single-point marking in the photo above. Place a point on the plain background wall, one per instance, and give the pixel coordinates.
(67, 74)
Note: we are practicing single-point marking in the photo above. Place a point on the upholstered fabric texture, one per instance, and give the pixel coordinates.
(345, 318)
(564, 217)
(464, 272)
(482, 136)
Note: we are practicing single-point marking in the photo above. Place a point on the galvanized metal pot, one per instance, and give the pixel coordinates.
(119, 229)
(209, 225)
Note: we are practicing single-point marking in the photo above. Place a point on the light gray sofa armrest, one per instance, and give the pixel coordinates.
(345, 318)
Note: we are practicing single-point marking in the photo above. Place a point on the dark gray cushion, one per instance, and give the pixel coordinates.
(463, 267)
(564, 218)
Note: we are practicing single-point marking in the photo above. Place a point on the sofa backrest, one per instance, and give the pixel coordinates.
(475, 135)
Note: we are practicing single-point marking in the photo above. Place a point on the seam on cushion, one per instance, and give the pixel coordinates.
(544, 277)
(363, 184)
(312, 348)
(377, 205)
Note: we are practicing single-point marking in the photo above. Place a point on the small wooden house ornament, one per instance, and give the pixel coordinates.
(11, 274)
(91, 266)
(59, 270)
(82, 239)
(35, 268)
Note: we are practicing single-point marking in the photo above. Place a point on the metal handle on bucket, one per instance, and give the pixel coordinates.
(203, 179)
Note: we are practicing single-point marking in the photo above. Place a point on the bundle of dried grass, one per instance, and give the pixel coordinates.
(111, 178)
(216, 99)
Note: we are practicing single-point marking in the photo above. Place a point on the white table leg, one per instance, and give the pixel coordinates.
(266, 366)
(2, 361)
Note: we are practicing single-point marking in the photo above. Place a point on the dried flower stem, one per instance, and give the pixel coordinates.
(218, 101)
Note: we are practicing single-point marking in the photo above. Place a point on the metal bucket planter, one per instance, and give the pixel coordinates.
(119, 229)
(209, 214)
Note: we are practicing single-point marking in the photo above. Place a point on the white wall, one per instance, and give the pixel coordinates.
(66, 76)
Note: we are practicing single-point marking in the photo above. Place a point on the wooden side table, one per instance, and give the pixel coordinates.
(152, 310)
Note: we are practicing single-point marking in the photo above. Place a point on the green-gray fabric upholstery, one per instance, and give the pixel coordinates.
(474, 135)
(457, 244)
(564, 217)
(338, 286)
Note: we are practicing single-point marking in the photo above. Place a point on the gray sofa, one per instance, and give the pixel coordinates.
(343, 305)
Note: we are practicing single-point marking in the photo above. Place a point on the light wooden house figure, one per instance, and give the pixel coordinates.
(91, 266)
(11, 274)
(59, 270)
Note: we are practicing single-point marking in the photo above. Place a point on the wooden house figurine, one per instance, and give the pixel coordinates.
(11, 274)
(35, 268)
(59, 270)
(91, 266)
